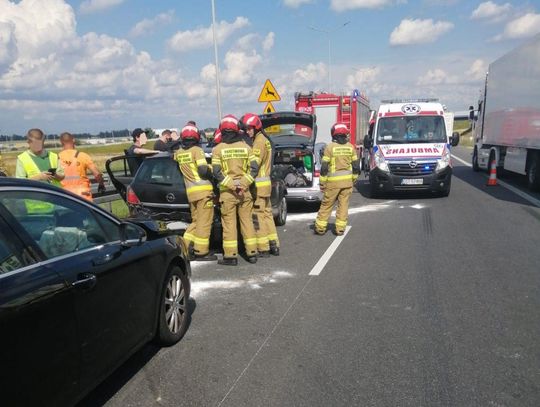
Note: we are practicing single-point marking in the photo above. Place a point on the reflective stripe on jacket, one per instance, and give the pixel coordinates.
(73, 181)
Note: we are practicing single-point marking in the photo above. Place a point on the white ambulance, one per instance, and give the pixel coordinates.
(409, 148)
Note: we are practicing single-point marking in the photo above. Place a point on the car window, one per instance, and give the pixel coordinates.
(59, 225)
(160, 171)
(12, 257)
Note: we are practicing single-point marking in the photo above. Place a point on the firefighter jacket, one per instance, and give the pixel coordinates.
(234, 165)
(340, 166)
(196, 172)
(262, 149)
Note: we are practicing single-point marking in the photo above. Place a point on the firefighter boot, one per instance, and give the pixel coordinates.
(205, 257)
(228, 261)
(264, 253)
(274, 248)
(252, 259)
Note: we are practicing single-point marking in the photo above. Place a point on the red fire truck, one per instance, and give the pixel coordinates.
(353, 110)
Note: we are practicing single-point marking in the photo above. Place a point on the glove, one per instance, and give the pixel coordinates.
(322, 187)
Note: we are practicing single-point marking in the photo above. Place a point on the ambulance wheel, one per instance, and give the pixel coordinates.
(533, 173)
(373, 191)
(475, 166)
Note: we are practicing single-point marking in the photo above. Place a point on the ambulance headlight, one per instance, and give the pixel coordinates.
(444, 161)
(380, 162)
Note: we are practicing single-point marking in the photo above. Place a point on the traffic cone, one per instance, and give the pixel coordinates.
(492, 181)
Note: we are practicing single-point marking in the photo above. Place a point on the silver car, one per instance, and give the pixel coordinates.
(297, 159)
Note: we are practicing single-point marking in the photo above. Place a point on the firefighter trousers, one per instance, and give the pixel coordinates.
(231, 206)
(197, 234)
(263, 222)
(331, 195)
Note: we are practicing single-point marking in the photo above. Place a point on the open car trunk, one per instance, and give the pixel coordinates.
(294, 166)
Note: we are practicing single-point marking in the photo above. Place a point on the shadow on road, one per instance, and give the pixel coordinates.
(479, 180)
(118, 379)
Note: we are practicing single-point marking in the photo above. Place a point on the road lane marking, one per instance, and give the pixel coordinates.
(316, 270)
(233, 386)
(352, 211)
(461, 161)
(506, 185)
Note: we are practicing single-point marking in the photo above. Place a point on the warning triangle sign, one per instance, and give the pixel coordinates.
(269, 108)
(269, 93)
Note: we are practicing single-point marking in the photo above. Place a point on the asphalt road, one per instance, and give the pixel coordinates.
(426, 302)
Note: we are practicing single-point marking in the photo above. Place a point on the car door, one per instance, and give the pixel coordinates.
(39, 347)
(114, 287)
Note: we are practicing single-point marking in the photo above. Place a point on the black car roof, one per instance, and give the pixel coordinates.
(23, 182)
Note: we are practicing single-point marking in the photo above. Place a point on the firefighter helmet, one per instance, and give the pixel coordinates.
(190, 132)
(252, 120)
(339, 129)
(229, 123)
(217, 136)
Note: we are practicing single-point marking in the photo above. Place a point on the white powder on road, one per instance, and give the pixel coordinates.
(200, 288)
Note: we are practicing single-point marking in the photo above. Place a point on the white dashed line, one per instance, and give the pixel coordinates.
(461, 161)
(328, 254)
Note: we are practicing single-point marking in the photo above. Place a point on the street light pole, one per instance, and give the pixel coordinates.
(328, 33)
(218, 90)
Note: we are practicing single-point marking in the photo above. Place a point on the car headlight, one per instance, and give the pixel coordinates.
(380, 162)
(444, 161)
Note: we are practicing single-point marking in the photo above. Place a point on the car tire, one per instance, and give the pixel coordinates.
(373, 191)
(475, 166)
(281, 217)
(174, 310)
(533, 173)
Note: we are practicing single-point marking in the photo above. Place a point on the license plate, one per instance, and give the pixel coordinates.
(412, 181)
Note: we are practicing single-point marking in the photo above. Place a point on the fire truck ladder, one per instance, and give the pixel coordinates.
(345, 111)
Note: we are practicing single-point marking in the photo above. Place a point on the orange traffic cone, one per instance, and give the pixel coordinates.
(492, 181)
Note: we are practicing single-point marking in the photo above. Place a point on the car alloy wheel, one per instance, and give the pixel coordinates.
(175, 304)
(174, 312)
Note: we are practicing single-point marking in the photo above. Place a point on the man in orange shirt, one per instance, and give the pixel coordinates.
(76, 165)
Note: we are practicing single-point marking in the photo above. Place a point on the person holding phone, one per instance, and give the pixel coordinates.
(37, 163)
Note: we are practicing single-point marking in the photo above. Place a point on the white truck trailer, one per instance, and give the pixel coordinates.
(506, 126)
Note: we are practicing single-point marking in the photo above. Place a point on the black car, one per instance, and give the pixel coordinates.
(157, 189)
(80, 291)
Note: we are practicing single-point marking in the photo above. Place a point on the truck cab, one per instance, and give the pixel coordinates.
(409, 148)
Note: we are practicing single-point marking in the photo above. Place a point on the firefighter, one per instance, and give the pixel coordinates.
(197, 174)
(263, 220)
(339, 169)
(235, 167)
(76, 164)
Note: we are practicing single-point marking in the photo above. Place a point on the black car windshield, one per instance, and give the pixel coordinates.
(411, 129)
(159, 171)
(289, 133)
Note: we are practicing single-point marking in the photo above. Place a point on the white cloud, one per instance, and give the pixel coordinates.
(344, 5)
(200, 38)
(436, 76)
(491, 11)
(477, 71)
(239, 67)
(268, 42)
(149, 25)
(410, 31)
(8, 45)
(296, 3)
(310, 76)
(521, 27)
(247, 42)
(362, 77)
(93, 6)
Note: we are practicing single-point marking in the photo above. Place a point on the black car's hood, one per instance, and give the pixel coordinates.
(296, 129)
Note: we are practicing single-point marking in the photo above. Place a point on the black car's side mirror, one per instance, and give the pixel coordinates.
(368, 141)
(471, 113)
(131, 235)
(454, 140)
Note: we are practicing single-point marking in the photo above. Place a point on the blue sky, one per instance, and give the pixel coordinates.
(96, 65)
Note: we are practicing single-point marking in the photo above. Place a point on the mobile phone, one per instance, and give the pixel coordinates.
(52, 171)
